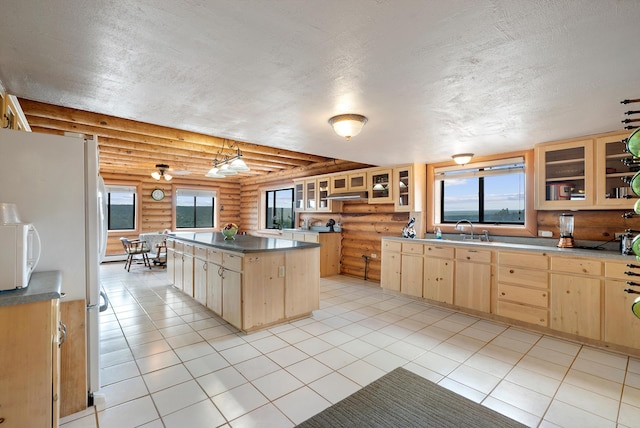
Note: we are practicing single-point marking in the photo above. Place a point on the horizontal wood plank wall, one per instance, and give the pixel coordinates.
(363, 226)
(156, 216)
(590, 225)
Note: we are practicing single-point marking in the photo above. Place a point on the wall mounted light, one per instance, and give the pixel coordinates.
(161, 172)
(462, 158)
(348, 125)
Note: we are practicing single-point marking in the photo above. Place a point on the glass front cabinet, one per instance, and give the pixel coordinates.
(409, 187)
(584, 174)
(380, 189)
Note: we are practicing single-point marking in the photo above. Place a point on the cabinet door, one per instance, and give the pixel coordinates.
(323, 191)
(338, 184)
(200, 281)
(357, 181)
(187, 275)
(310, 195)
(171, 265)
(390, 270)
(403, 189)
(620, 324)
(411, 275)
(214, 287)
(263, 297)
(575, 305)
(178, 279)
(438, 280)
(564, 175)
(611, 190)
(380, 187)
(232, 297)
(299, 202)
(473, 285)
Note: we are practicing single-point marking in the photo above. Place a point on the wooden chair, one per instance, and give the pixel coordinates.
(135, 248)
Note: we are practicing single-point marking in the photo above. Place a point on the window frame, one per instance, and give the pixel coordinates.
(136, 214)
(530, 227)
(176, 190)
(265, 195)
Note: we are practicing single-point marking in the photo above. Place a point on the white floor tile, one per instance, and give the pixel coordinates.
(265, 416)
(200, 415)
(308, 370)
(276, 384)
(301, 404)
(126, 390)
(221, 381)
(256, 367)
(206, 364)
(523, 398)
(164, 378)
(334, 387)
(239, 401)
(361, 372)
(178, 397)
(567, 416)
(128, 415)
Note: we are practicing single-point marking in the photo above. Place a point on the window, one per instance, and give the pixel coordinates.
(195, 209)
(279, 209)
(121, 207)
(489, 192)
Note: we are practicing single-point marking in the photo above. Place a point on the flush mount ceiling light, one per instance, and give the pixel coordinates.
(348, 125)
(161, 172)
(225, 164)
(462, 158)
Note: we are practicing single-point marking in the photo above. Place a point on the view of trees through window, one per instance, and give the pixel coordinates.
(487, 198)
(121, 208)
(279, 212)
(195, 209)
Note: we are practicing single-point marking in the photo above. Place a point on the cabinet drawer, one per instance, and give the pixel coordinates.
(188, 249)
(171, 243)
(528, 296)
(412, 247)
(232, 262)
(392, 246)
(618, 270)
(441, 252)
(523, 313)
(201, 252)
(214, 256)
(311, 237)
(582, 266)
(178, 246)
(481, 256)
(521, 276)
(529, 260)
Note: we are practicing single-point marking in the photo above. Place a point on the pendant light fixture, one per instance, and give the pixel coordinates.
(348, 125)
(161, 172)
(462, 158)
(225, 165)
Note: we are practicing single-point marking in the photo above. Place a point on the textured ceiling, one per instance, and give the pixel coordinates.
(434, 77)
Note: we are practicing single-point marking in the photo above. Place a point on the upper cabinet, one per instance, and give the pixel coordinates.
(12, 115)
(409, 187)
(583, 174)
(380, 187)
(348, 182)
(310, 195)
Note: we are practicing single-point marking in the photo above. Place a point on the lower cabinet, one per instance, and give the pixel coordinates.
(29, 370)
(200, 280)
(390, 265)
(411, 274)
(214, 281)
(621, 326)
(438, 273)
(473, 279)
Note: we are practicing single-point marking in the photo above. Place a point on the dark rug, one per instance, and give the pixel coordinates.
(403, 399)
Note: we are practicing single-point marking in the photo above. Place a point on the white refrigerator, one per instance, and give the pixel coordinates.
(54, 182)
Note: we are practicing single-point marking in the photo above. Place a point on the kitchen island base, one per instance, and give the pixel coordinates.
(250, 282)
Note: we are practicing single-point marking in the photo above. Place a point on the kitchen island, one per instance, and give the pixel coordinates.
(251, 282)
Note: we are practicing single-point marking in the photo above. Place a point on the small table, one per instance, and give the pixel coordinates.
(156, 240)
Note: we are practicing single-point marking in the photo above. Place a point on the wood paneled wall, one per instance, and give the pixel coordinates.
(590, 225)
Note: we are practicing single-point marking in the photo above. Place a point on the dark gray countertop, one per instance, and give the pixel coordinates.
(552, 250)
(243, 243)
(42, 286)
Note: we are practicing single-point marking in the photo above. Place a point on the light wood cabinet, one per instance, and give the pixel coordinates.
(523, 287)
(310, 195)
(263, 298)
(621, 326)
(187, 269)
(329, 248)
(575, 304)
(200, 276)
(29, 372)
(390, 266)
(348, 182)
(214, 280)
(409, 188)
(438, 273)
(583, 174)
(12, 115)
(298, 196)
(411, 272)
(380, 186)
(611, 173)
(473, 279)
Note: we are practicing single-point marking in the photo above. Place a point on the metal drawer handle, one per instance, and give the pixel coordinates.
(632, 283)
(630, 291)
(631, 273)
(632, 266)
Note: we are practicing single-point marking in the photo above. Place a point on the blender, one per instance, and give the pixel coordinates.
(566, 231)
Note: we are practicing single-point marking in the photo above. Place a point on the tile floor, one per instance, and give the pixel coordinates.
(166, 361)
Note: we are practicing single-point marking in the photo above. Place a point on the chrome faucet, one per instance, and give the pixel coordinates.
(460, 227)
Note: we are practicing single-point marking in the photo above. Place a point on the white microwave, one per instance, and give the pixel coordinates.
(20, 245)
